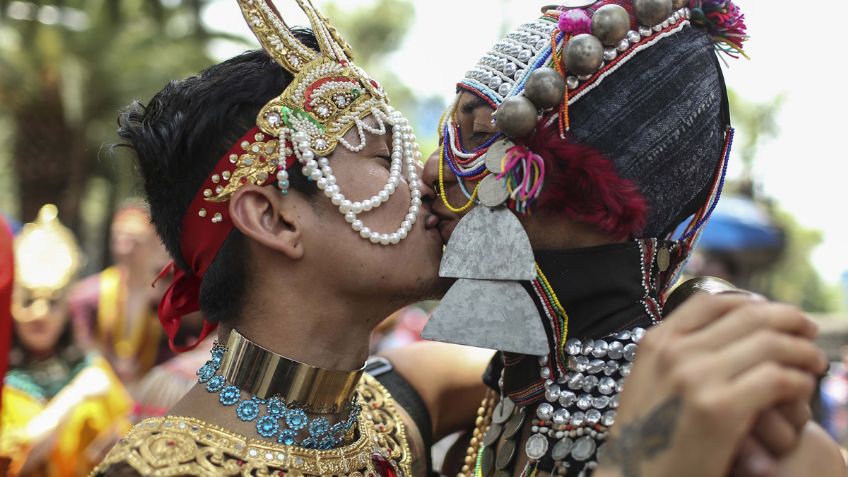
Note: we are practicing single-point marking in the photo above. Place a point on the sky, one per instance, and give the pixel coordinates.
(804, 168)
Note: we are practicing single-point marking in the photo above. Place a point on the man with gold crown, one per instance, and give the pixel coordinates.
(287, 190)
(61, 407)
(609, 121)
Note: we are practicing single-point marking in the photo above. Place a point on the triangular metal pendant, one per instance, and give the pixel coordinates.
(489, 314)
(489, 244)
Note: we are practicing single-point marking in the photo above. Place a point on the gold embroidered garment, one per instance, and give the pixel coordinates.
(173, 446)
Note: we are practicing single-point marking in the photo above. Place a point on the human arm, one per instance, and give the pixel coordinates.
(447, 378)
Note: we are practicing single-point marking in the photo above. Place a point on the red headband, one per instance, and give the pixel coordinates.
(205, 226)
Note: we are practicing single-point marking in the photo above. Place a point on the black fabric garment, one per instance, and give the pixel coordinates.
(408, 398)
(601, 290)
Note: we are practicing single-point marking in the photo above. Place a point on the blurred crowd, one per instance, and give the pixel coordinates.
(84, 358)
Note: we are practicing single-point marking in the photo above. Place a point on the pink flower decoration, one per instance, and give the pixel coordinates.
(575, 21)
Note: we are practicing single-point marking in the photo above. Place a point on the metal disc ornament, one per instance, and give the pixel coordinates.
(489, 244)
(583, 448)
(513, 424)
(487, 461)
(610, 24)
(536, 447)
(652, 12)
(517, 116)
(503, 410)
(489, 314)
(496, 153)
(562, 449)
(492, 192)
(505, 455)
(492, 434)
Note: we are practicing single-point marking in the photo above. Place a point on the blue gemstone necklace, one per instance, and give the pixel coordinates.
(276, 419)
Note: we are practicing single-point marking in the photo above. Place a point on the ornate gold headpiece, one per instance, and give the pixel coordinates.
(327, 98)
(47, 255)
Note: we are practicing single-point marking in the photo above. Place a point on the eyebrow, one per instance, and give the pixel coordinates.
(473, 105)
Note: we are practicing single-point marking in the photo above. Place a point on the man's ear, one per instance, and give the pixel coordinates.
(259, 213)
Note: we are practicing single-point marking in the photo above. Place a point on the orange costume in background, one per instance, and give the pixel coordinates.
(62, 408)
(85, 417)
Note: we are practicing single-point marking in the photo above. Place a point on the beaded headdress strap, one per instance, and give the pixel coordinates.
(328, 97)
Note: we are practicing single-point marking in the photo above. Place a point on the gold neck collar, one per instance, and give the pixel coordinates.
(264, 373)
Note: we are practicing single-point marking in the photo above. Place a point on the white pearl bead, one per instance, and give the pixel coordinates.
(364, 232)
(402, 234)
(409, 218)
(375, 202)
(416, 194)
(307, 155)
(323, 162)
(366, 205)
(356, 208)
(383, 196)
(357, 225)
(321, 183)
(345, 206)
(394, 238)
(350, 217)
(405, 225)
(384, 239)
(337, 199)
(374, 237)
(315, 175)
(414, 211)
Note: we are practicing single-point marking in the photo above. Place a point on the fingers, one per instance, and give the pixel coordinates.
(768, 345)
(797, 413)
(752, 460)
(701, 310)
(750, 317)
(775, 433)
(764, 386)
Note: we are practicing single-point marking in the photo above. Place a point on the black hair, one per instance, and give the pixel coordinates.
(179, 137)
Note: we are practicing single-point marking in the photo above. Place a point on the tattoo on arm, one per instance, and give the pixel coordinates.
(643, 439)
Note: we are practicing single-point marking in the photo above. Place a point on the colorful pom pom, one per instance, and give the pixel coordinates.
(575, 21)
(724, 22)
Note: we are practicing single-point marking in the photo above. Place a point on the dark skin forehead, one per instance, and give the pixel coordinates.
(474, 119)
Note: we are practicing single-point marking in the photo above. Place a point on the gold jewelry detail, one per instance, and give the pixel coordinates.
(253, 167)
(329, 94)
(176, 446)
(482, 423)
(264, 373)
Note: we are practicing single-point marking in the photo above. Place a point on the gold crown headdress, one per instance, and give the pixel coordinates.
(328, 97)
(47, 255)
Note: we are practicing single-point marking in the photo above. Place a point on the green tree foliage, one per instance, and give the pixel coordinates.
(66, 69)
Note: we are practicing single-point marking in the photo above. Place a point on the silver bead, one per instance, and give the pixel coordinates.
(615, 401)
(623, 45)
(652, 12)
(516, 117)
(504, 89)
(595, 366)
(495, 82)
(610, 24)
(510, 69)
(584, 402)
(584, 55)
(572, 82)
(552, 393)
(567, 398)
(606, 386)
(573, 345)
(633, 36)
(610, 54)
(545, 411)
(543, 360)
(678, 4)
(625, 369)
(525, 55)
(616, 350)
(600, 402)
(645, 31)
(593, 417)
(545, 373)
(577, 363)
(588, 347)
(576, 381)
(638, 334)
(610, 368)
(545, 88)
(623, 335)
(608, 419)
(589, 382)
(578, 418)
(601, 348)
(561, 416)
(630, 352)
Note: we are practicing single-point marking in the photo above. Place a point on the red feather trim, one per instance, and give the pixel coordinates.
(581, 183)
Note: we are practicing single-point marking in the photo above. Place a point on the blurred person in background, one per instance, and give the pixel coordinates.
(62, 407)
(7, 279)
(115, 310)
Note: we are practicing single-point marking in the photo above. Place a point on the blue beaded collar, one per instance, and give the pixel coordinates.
(275, 419)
